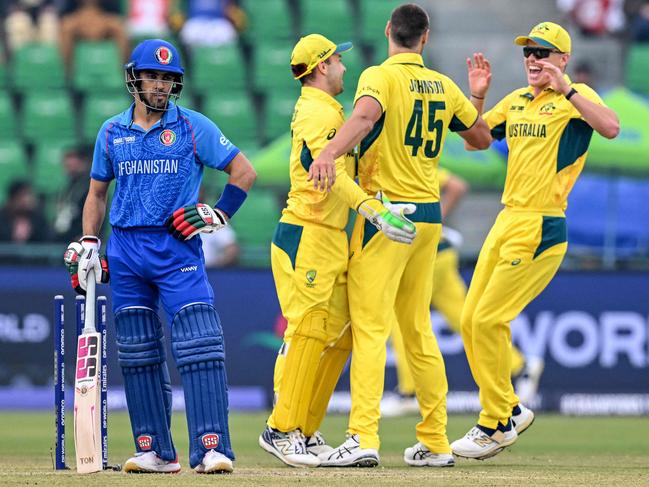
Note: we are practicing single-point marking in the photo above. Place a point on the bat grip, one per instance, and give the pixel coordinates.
(89, 325)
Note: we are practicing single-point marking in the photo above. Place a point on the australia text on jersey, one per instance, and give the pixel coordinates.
(148, 166)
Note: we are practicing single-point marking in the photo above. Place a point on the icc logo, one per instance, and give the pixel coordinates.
(163, 55)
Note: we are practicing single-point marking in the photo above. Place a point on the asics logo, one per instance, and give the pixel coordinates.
(190, 268)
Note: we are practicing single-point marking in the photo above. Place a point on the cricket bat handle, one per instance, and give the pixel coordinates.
(89, 325)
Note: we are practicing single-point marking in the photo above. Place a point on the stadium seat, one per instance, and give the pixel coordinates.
(278, 113)
(97, 67)
(255, 224)
(637, 67)
(355, 64)
(273, 67)
(374, 15)
(13, 165)
(97, 108)
(233, 113)
(7, 117)
(49, 174)
(332, 19)
(3, 74)
(217, 68)
(269, 20)
(37, 66)
(47, 115)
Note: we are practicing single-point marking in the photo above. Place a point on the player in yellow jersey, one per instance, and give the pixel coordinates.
(401, 115)
(309, 256)
(548, 126)
(449, 293)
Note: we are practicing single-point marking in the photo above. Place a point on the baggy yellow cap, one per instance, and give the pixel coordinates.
(547, 34)
(311, 50)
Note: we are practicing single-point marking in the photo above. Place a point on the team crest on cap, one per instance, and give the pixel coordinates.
(167, 137)
(163, 55)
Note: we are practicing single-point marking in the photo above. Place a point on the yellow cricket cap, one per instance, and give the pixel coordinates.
(547, 34)
(311, 50)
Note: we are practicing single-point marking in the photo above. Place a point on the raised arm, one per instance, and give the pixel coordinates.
(479, 71)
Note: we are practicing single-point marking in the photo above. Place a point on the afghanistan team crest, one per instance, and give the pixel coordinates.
(163, 55)
(167, 137)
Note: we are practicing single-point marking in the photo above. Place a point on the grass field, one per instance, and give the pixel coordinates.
(555, 451)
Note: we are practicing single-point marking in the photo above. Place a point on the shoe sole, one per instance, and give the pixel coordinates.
(491, 453)
(366, 462)
(267, 448)
(139, 470)
(413, 463)
(523, 430)
(221, 468)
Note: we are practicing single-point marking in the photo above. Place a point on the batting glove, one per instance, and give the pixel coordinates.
(389, 217)
(186, 222)
(81, 256)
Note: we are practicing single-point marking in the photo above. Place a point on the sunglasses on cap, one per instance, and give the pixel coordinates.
(539, 52)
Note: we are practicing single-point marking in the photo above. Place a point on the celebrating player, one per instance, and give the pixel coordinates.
(548, 126)
(401, 114)
(156, 152)
(309, 256)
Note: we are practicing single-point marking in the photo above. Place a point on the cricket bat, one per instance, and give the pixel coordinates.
(87, 389)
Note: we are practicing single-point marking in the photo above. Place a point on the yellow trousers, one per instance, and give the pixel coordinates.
(309, 264)
(449, 293)
(518, 259)
(391, 282)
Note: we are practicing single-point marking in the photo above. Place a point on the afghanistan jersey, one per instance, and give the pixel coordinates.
(158, 170)
(401, 153)
(548, 143)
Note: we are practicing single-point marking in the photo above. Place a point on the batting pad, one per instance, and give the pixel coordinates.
(141, 355)
(299, 374)
(197, 344)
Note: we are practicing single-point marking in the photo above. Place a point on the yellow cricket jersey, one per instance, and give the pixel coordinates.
(548, 143)
(401, 153)
(316, 119)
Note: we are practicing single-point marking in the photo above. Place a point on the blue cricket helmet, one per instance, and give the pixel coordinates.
(155, 54)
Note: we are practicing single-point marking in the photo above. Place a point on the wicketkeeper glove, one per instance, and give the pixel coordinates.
(81, 256)
(186, 222)
(389, 217)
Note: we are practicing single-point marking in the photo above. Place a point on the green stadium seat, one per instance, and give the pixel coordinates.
(97, 108)
(269, 20)
(7, 118)
(3, 74)
(49, 173)
(332, 19)
(97, 67)
(273, 67)
(217, 68)
(355, 64)
(233, 113)
(278, 113)
(637, 67)
(374, 15)
(254, 225)
(13, 165)
(37, 66)
(48, 116)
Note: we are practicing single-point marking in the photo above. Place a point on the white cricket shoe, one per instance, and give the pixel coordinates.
(522, 418)
(350, 454)
(150, 462)
(289, 447)
(214, 462)
(479, 445)
(398, 405)
(420, 456)
(527, 384)
(316, 444)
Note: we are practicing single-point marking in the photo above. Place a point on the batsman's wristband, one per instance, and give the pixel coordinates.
(477, 97)
(231, 199)
(571, 93)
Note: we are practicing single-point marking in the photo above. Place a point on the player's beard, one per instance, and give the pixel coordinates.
(157, 101)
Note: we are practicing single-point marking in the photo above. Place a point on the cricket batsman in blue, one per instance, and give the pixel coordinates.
(156, 152)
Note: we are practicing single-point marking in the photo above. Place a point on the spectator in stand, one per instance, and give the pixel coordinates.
(637, 14)
(594, 17)
(22, 220)
(149, 18)
(211, 22)
(29, 21)
(584, 73)
(69, 203)
(90, 21)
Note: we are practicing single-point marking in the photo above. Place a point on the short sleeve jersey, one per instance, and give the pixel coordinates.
(548, 143)
(158, 170)
(316, 119)
(400, 155)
